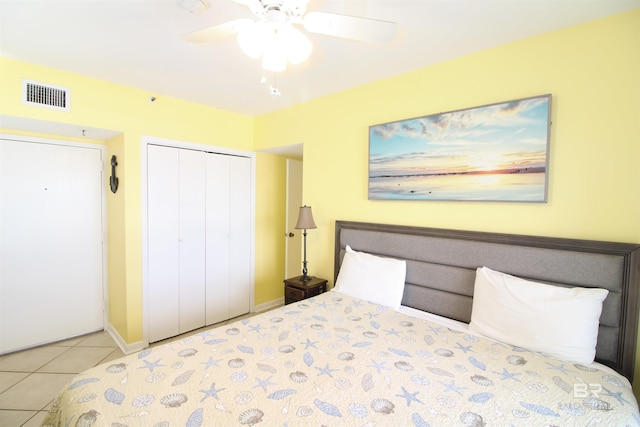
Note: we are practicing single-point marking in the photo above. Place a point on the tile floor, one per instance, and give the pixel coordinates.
(31, 379)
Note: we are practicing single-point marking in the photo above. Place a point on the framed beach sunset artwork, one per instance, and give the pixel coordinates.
(497, 152)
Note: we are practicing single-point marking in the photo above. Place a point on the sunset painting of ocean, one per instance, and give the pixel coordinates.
(496, 152)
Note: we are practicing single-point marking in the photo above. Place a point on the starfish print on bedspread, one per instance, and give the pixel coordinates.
(464, 348)
(309, 343)
(435, 329)
(264, 384)
(345, 338)
(213, 392)
(392, 331)
(211, 362)
(378, 365)
(411, 397)
(560, 367)
(326, 371)
(506, 375)
(255, 328)
(151, 365)
(453, 387)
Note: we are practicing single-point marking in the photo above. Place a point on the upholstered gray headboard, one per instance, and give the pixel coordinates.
(441, 268)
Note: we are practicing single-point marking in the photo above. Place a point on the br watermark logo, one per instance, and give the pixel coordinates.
(582, 390)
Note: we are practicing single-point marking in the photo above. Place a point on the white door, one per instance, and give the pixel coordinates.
(176, 224)
(192, 240)
(239, 235)
(293, 246)
(228, 236)
(163, 222)
(199, 239)
(218, 211)
(51, 259)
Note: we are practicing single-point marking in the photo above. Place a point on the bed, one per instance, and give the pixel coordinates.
(340, 359)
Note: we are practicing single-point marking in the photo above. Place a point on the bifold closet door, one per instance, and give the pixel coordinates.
(176, 245)
(239, 236)
(228, 237)
(163, 223)
(51, 272)
(199, 239)
(192, 240)
(217, 264)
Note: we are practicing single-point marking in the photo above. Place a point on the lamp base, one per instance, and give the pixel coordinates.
(305, 277)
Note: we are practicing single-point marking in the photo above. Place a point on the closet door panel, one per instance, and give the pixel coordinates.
(163, 223)
(217, 236)
(192, 240)
(239, 236)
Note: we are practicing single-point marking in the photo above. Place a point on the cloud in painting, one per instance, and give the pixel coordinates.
(456, 124)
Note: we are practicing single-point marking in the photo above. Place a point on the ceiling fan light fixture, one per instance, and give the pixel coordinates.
(252, 40)
(273, 61)
(275, 55)
(273, 37)
(276, 42)
(298, 45)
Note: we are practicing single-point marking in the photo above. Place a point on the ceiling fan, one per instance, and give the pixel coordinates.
(272, 35)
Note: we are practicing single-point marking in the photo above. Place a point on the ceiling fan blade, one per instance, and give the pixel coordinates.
(255, 6)
(217, 32)
(350, 27)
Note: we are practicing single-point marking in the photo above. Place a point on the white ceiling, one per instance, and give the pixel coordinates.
(138, 43)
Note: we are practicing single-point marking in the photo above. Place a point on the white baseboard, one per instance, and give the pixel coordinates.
(268, 305)
(124, 347)
(140, 345)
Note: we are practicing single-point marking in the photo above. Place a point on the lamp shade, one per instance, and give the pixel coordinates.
(305, 218)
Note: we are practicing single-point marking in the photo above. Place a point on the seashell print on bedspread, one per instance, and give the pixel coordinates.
(336, 360)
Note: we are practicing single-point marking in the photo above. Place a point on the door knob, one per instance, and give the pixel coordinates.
(290, 234)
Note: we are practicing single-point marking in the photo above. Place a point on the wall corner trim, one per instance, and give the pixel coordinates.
(121, 343)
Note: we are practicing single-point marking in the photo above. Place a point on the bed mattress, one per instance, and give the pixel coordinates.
(337, 360)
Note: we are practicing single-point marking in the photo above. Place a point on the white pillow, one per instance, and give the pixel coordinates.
(559, 322)
(372, 278)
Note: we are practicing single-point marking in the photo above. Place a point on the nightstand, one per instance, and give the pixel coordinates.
(296, 290)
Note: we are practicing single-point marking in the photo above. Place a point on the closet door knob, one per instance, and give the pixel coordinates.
(289, 234)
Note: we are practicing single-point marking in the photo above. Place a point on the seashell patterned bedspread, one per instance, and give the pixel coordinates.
(336, 360)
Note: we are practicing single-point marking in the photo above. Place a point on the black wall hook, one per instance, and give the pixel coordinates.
(113, 180)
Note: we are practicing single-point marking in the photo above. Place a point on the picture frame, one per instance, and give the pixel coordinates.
(496, 152)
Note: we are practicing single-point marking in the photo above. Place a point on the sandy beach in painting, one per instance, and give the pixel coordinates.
(525, 185)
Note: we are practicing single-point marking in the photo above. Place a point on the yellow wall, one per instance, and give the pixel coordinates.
(270, 226)
(99, 104)
(593, 73)
(116, 239)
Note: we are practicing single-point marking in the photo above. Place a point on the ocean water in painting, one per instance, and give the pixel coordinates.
(497, 152)
(520, 187)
